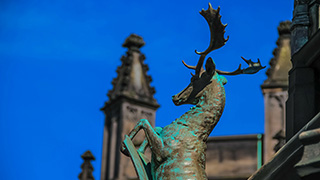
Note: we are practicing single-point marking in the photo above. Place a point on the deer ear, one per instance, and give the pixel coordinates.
(210, 67)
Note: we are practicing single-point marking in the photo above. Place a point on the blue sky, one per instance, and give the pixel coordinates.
(57, 61)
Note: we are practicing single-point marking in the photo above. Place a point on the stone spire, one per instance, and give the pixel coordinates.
(130, 100)
(86, 167)
(280, 64)
(132, 81)
(275, 91)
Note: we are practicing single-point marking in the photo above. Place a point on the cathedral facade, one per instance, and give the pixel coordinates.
(289, 148)
(228, 157)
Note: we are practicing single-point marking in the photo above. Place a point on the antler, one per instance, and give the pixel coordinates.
(193, 67)
(217, 40)
(217, 29)
(254, 67)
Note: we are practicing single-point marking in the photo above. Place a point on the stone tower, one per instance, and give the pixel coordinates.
(275, 92)
(303, 102)
(130, 100)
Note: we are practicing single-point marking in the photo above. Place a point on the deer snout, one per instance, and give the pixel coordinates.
(176, 100)
(183, 97)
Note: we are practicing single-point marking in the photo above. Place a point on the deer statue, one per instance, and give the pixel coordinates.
(178, 149)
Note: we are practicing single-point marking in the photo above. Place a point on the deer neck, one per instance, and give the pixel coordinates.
(203, 117)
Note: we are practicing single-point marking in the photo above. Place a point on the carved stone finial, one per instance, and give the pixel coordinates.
(280, 64)
(132, 81)
(284, 27)
(300, 25)
(134, 42)
(86, 167)
(87, 156)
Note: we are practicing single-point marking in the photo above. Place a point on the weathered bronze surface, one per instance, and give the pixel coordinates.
(178, 149)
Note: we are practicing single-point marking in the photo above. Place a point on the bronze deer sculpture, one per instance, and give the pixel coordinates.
(178, 149)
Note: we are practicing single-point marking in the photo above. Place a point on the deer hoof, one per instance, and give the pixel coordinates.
(124, 150)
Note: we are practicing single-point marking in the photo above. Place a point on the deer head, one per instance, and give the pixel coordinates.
(199, 81)
(205, 77)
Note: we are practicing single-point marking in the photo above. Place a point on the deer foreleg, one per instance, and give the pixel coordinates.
(143, 146)
(154, 140)
(145, 142)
